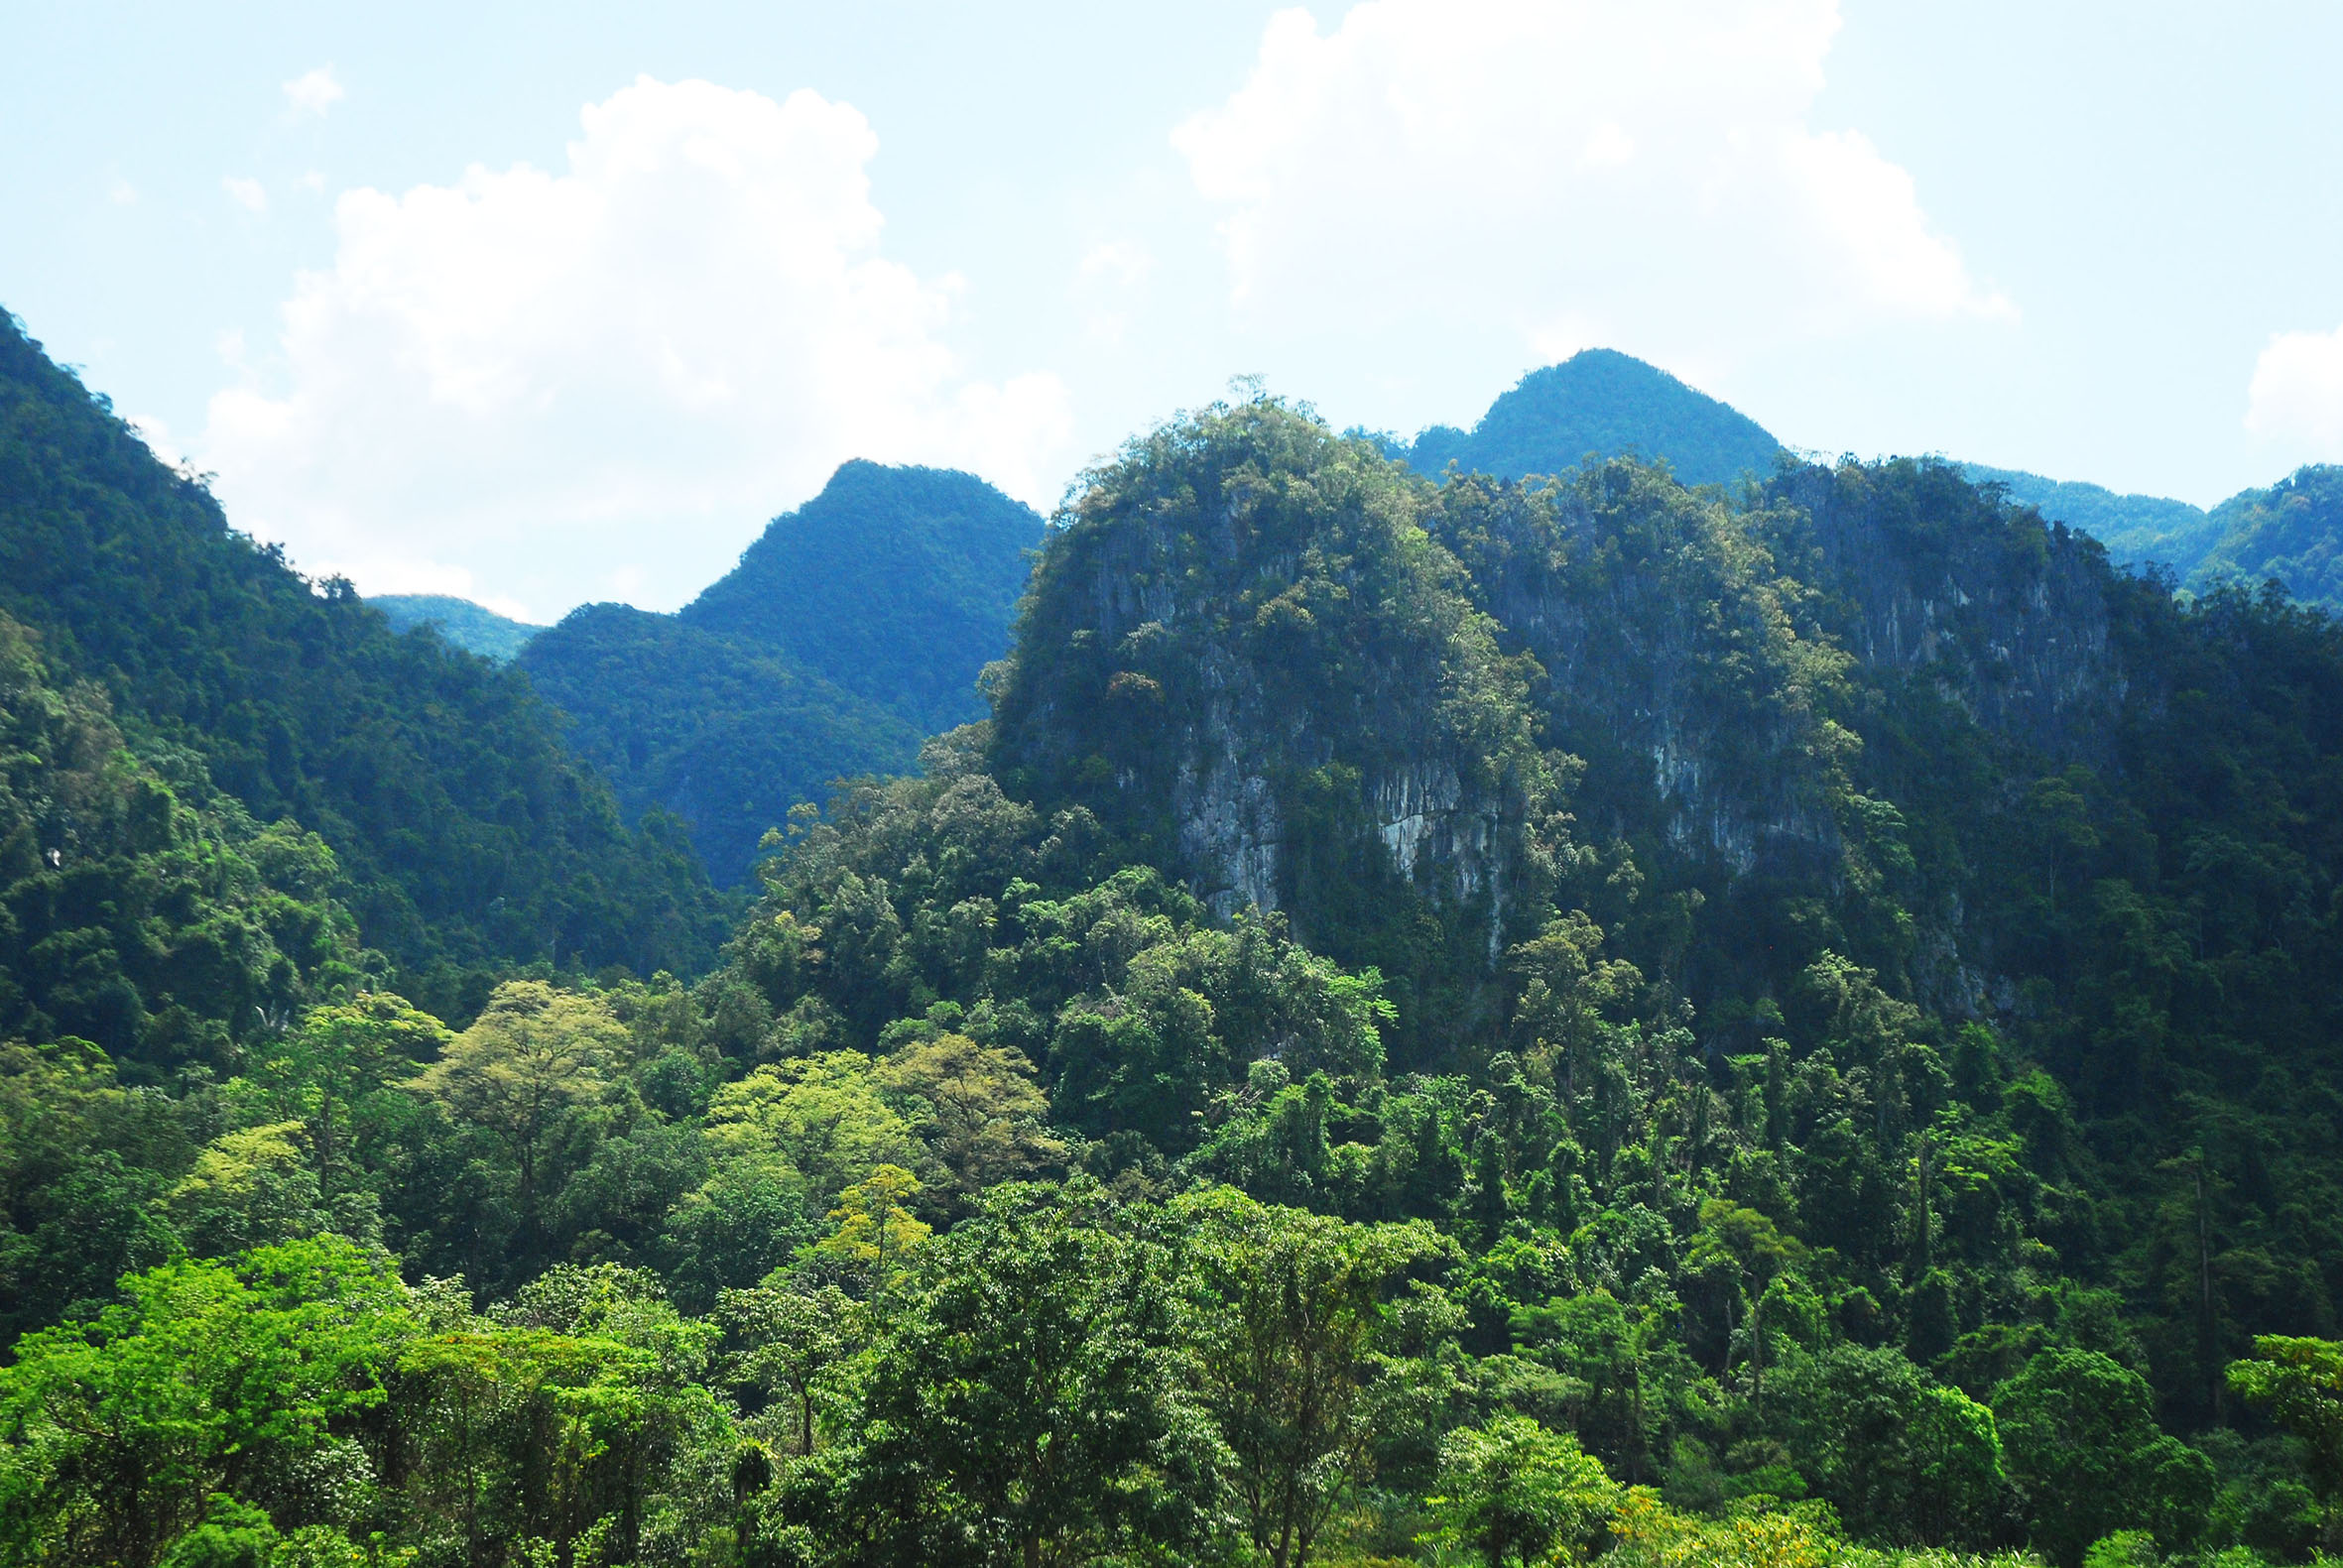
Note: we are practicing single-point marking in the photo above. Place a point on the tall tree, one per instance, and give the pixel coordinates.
(1285, 1308)
(1027, 1405)
(533, 1053)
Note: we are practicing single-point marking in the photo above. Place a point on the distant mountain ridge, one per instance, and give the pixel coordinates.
(851, 628)
(2291, 531)
(2138, 530)
(1601, 402)
(474, 628)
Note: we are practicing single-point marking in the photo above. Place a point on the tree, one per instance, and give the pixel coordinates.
(532, 1054)
(344, 1052)
(208, 1378)
(1284, 1308)
(789, 1340)
(2298, 1384)
(249, 1188)
(874, 1230)
(1566, 992)
(1746, 1244)
(1026, 1403)
(977, 1105)
(819, 1117)
(1900, 1458)
(1513, 1492)
(2080, 1433)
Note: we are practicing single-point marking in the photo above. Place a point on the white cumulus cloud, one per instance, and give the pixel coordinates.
(1567, 171)
(314, 92)
(2296, 396)
(246, 194)
(601, 382)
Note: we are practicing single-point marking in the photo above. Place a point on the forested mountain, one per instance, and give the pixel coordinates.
(464, 833)
(851, 628)
(1432, 1022)
(724, 731)
(474, 628)
(2292, 532)
(1601, 402)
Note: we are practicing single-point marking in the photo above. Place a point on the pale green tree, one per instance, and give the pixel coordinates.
(1284, 1311)
(532, 1055)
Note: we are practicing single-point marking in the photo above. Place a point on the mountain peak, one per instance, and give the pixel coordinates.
(942, 553)
(1600, 401)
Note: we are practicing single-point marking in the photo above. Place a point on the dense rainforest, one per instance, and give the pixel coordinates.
(1501, 1020)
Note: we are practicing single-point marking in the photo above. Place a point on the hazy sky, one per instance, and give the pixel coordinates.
(556, 303)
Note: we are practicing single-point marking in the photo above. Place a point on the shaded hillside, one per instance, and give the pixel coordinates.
(724, 731)
(1605, 403)
(851, 628)
(474, 628)
(896, 584)
(142, 909)
(466, 828)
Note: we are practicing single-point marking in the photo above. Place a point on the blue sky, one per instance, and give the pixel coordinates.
(559, 303)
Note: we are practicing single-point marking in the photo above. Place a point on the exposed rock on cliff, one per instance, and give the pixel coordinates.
(1245, 651)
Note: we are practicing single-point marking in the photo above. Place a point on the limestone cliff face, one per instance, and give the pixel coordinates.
(2006, 616)
(1754, 685)
(1708, 662)
(1307, 681)
(1252, 657)
(1687, 680)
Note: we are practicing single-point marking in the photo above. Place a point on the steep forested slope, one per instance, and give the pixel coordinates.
(1600, 403)
(141, 907)
(851, 628)
(473, 628)
(466, 828)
